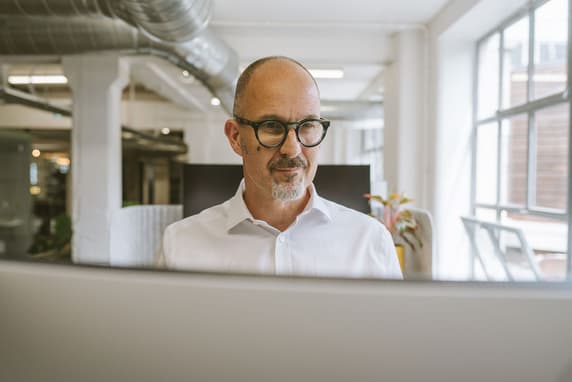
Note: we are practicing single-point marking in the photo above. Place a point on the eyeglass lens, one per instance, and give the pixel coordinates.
(272, 132)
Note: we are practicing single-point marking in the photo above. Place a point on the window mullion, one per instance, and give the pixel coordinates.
(501, 70)
(473, 190)
(531, 28)
(531, 166)
(499, 124)
(499, 163)
(569, 86)
(537, 104)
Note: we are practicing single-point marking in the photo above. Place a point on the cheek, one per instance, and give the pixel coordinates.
(249, 144)
(257, 160)
(311, 155)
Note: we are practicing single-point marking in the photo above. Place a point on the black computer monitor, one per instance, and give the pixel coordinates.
(205, 185)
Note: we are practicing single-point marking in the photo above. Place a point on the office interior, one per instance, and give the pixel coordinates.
(108, 108)
(461, 105)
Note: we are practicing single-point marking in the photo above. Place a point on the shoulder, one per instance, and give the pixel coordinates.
(345, 214)
(213, 216)
(359, 223)
(370, 240)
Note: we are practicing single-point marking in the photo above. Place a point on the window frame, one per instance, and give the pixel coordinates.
(528, 108)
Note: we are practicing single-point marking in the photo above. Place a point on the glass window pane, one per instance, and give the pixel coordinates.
(514, 160)
(551, 39)
(515, 64)
(486, 214)
(552, 126)
(487, 159)
(489, 67)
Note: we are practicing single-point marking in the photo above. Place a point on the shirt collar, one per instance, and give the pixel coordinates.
(317, 203)
(238, 212)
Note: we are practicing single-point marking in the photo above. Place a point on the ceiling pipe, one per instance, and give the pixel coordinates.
(175, 30)
(10, 95)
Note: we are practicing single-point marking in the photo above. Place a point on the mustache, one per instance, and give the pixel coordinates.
(288, 163)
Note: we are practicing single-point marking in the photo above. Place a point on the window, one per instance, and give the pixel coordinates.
(522, 126)
(372, 154)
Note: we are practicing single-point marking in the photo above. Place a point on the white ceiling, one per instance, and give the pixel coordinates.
(353, 35)
(326, 11)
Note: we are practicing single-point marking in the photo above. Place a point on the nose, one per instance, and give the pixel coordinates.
(291, 147)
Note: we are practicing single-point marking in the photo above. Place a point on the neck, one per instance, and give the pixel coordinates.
(279, 214)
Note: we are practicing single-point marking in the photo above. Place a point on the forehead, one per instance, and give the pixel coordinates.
(281, 88)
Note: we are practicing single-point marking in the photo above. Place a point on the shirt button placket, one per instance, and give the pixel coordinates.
(281, 254)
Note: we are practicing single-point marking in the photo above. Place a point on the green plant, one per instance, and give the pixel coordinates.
(399, 222)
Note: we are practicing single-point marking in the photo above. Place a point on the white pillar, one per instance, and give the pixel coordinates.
(96, 82)
(405, 116)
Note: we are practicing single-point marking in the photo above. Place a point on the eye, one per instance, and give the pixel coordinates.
(274, 127)
(309, 125)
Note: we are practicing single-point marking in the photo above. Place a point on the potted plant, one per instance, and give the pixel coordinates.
(399, 222)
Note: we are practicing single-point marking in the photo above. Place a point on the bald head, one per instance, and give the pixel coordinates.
(245, 79)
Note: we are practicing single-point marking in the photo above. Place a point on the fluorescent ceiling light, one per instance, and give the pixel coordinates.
(35, 79)
(327, 73)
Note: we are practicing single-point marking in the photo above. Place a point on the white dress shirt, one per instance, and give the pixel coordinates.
(326, 239)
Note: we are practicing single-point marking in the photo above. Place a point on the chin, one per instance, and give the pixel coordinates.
(288, 191)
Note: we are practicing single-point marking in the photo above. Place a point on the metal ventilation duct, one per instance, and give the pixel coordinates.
(54, 7)
(59, 35)
(170, 20)
(172, 29)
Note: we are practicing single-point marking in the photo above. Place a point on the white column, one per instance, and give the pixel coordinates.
(405, 116)
(96, 82)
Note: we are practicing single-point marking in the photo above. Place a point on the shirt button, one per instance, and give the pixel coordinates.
(282, 239)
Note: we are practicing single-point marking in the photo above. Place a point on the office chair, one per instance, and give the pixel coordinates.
(501, 251)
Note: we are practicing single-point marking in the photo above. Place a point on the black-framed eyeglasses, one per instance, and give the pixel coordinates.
(272, 133)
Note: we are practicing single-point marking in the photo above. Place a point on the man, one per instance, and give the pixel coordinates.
(276, 223)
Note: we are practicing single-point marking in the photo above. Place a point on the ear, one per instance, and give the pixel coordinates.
(232, 132)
